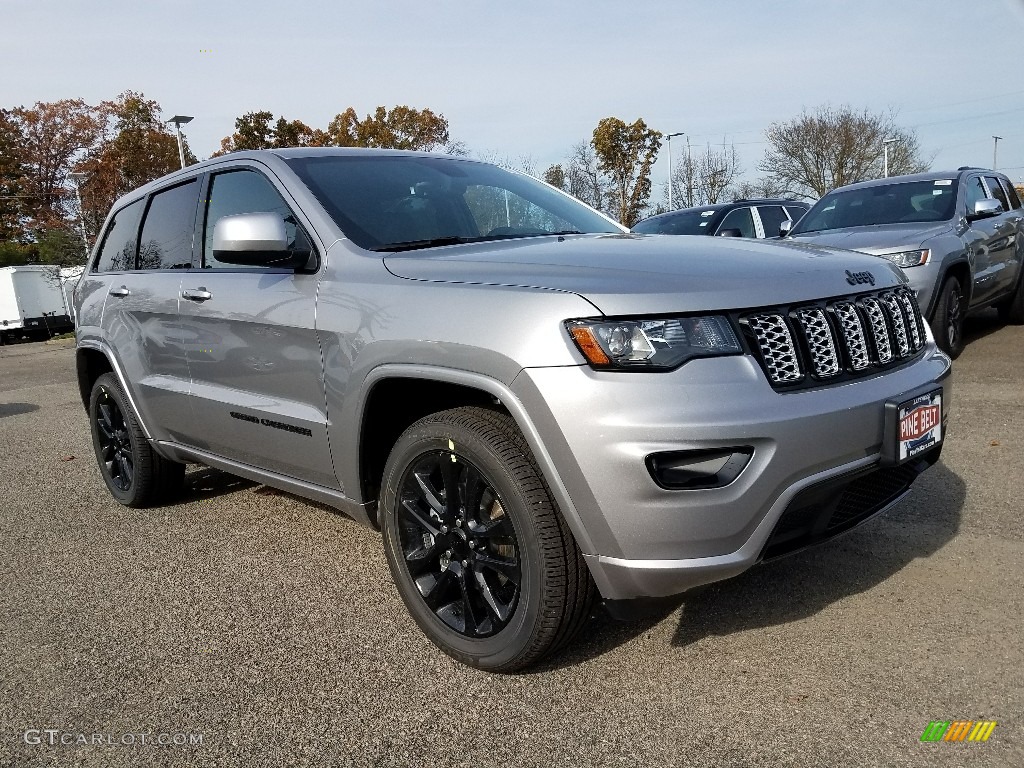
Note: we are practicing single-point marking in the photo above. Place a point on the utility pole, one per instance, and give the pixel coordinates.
(885, 152)
(689, 175)
(995, 149)
(671, 178)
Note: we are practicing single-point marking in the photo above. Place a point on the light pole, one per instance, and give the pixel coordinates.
(180, 120)
(995, 148)
(79, 177)
(885, 151)
(668, 138)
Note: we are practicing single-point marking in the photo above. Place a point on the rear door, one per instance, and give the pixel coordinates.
(257, 393)
(147, 247)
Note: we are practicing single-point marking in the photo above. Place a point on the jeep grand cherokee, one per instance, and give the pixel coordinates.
(535, 407)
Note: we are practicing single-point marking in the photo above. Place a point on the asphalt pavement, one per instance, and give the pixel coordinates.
(263, 630)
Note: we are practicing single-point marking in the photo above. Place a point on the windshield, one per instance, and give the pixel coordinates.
(693, 222)
(908, 201)
(400, 203)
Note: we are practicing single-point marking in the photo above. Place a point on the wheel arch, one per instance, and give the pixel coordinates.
(445, 388)
(92, 360)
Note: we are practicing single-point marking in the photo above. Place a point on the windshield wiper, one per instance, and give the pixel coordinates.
(434, 242)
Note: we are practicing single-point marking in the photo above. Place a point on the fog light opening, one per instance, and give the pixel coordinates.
(700, 469)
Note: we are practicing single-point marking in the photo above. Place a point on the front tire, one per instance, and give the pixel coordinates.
(948, 319)
(477, 548)
(135, 474)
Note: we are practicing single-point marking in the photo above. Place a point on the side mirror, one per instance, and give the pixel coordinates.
(985, 208)
(256, 240)
(730, 233)
(785, 228)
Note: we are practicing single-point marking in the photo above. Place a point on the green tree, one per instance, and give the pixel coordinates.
(59, 248)
(259, 130)
(626, 154)
(834, 146)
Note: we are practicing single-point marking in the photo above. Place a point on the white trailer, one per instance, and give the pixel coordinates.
(32, 300)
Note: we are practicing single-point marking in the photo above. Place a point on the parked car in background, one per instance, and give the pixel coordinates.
(959, 236)
(742, 218)
(535, 407)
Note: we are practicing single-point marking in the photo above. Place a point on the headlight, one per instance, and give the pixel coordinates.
(652, 344)
(908, 258)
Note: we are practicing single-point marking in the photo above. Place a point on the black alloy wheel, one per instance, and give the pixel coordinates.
(135, 474)
(948, 319)
(459, 545)
(115, 446)
(476, 545)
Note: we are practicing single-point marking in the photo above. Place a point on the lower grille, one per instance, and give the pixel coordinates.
(827, 509)
(834, 340)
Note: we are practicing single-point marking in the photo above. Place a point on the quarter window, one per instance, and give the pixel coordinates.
(740, 219)
(166, 241)
(243, 191)
(1011, 193)
(117, 253)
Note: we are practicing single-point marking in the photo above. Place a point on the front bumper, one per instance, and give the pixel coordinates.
(642, 540)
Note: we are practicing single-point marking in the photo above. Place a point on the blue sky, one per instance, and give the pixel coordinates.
(529, 78)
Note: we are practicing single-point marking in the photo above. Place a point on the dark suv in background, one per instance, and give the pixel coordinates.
(958, 235)
(742, 218)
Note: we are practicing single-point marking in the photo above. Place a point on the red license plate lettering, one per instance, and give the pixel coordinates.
(919, 421)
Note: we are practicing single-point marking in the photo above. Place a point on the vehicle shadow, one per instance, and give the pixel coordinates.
(982, 324)
(803, 584)
(206, 483)
(16, 409)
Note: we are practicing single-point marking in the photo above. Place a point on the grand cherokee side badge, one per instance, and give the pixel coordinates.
(853, 278)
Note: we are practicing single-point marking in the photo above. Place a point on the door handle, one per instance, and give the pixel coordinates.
(119, 292)
(196, 294)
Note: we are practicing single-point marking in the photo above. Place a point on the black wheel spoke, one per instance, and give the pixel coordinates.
(499, 610)
(507, 568)
(469, 623)
(434, 587)
(428, 494)
(450, 477)
(413, 514)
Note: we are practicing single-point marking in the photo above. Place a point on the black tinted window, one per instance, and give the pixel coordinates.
(739, 218)
(997, 192)
(796, 212)
(688, 222)
(118, 250)
(891, 203)
(166, 241)
(771, 217)
(241, 192)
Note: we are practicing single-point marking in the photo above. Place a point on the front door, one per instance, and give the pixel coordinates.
(257, 391)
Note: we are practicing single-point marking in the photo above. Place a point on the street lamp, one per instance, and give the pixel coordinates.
(668, 138)
(995, 148)
(180, 120)
(885, 149)
(79, 178)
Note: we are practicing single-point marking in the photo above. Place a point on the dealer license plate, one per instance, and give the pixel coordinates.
(919, 425)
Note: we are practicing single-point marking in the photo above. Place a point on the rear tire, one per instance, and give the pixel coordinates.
(1012, 310)
(948, 319)
(135, 474)
(477, 548)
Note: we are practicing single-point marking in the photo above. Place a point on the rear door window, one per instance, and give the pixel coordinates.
(1011, 194)
(739, 218)
(772, 217)
(166, 241)
(117, 253)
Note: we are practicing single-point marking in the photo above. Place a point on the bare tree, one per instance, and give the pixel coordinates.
(763, 187)
(814, 153)
(716, 170)
(583, 179)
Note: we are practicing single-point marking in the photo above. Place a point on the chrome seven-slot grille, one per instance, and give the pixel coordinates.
(832, 340)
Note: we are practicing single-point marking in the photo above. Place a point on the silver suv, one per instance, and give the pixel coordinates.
(958, 234)
(535, 407)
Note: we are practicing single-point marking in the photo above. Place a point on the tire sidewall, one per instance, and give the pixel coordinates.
(518, 636)
(108, 383)
(950, 286)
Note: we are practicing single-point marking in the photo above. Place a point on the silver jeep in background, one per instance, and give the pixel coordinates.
(536, 408)
(958, 234)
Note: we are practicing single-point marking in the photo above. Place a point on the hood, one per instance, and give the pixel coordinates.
(875, 239)
(633, 274)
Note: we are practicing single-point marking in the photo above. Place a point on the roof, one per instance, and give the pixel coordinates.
(929, 176)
